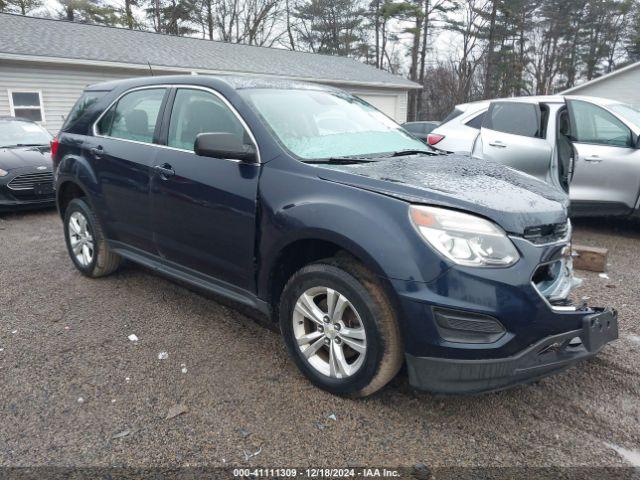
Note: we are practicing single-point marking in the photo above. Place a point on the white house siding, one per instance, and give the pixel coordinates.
(391, 102)
(61, 85)
(622, 87)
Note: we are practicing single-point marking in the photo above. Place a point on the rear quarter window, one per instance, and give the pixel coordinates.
(476, 122)
(83, 105)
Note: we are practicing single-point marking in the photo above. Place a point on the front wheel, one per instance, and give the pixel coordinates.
(340, 328)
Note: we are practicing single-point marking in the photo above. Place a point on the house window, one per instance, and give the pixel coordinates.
(26, 104)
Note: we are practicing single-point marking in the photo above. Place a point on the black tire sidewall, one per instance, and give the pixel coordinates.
(79, 205)
(341, 281)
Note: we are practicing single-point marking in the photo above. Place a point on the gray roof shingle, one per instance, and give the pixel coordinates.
(54, 38)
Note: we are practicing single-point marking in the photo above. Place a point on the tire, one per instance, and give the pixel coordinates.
(369, 311)
(81, 227)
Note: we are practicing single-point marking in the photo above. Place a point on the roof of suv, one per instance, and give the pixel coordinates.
(537, 99)
(236, 82)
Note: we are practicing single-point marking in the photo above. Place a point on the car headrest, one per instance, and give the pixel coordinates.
(137, 122)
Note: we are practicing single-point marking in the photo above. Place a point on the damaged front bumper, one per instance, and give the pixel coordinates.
(550, 355)
(520, 323)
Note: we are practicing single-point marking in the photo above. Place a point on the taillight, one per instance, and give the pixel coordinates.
(434, 138)
(54, 146)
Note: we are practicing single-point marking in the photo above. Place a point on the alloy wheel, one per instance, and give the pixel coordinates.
(80, 239)
(329, 332)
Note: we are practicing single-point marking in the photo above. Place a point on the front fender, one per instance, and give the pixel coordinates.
(373, 227)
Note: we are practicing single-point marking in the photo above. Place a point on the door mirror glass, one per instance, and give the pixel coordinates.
(224, 145)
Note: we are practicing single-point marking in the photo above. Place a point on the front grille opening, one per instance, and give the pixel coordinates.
(28, 181)
(547, 233)
(544, 273)
(546, 277)
(465, 327)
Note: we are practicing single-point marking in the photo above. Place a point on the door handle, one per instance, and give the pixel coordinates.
(498, 144)
(97, 152)
(165, 170)
(593, 159)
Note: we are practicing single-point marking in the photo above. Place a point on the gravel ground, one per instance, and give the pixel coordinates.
(71, 380)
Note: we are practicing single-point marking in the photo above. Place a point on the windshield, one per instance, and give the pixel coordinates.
(15, 133)
(630, 113)
(316, 124)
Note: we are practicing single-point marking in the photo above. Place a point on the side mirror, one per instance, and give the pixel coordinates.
(224, 145)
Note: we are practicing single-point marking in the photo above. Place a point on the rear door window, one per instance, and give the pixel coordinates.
(524, 119)
(134, 116)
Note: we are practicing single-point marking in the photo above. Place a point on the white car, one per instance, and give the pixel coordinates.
(459, 129)
(593, 143)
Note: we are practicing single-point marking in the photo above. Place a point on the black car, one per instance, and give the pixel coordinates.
(26, 178)
(420, 129)
(308, 204)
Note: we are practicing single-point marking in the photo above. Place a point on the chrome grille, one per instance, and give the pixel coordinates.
(28, 180)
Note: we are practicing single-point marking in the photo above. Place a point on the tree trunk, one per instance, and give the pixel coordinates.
(377, 28)
(412, 106)
(289, 29)
(157, 14)
(423, 61)
(128, 14)
(488, 83)
(210, 19)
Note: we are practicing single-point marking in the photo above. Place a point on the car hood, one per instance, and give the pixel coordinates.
(513, 200)
(20, 157)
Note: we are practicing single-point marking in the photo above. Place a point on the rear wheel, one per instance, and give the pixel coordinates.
(340, 328)
(86, 244)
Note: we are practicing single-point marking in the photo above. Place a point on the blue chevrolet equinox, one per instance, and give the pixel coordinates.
(311, 206)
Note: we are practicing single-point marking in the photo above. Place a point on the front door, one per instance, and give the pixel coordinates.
(122, 155)
(204, 209)
(607, 168)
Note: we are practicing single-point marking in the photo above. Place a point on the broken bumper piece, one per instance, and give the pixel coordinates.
(547, 356)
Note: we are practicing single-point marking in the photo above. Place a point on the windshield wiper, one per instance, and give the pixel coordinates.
(402, 153)
(342, 160)
(20, 145)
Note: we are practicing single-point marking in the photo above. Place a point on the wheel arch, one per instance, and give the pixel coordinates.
(303, 250)
(68, 190)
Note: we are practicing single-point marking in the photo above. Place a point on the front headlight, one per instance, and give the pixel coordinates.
(463, 238)
(3, 173)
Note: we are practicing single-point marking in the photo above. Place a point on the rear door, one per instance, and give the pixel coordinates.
(607, 167)
(122, 153)
(514, 134)
(204, 209)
